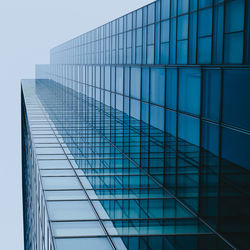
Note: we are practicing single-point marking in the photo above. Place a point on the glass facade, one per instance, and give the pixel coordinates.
(137, 134)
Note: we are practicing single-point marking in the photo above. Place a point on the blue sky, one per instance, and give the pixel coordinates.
(29, 28)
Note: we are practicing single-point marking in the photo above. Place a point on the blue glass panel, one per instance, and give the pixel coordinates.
(171, 122)
(151, 34)
(211, 94)
(183, 6)
(151, 13)
(205, 22)
(113, 79)
(236, 101)
(119, 102)
(189, 90)
(165, 9)
(173, 41)
(157, 117)
(135, 109)
(182, 32)
(204, 50)
(119, 80)
(145, 84)
(157, 86)
(171, 88)
(139, 18)
(139, 37)
(192, 37)
(205, 3)
(182, 47)
(70, 210)
(88, 243)
(127, 81)
(173, 6)
(60, 183)
(150, 54)
(145, 112)
(157, 43)
(233, 50)
(234, 16)
(238, 151)
(136, 82)
(210, 137)
(157, 11)
(165, 31)
(107, 77)
(218, 34)
(193, 5)
(165, 53)
(189, 129)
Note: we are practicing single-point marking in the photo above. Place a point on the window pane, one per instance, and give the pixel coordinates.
(136, 82)
(182, 32)
(70, 210)
(157, 117)
(236, 101)
(60, 183)
(157, 86)
(211, 94)
(171, 89)
(145, 84)
(165, 4)
(189, 90)
(171, 122)
(189, 129)
(88, 243)
(119, 80)
(204, 50)
(205, 22)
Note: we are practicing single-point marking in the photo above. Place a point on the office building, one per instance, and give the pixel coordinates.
(137, 134)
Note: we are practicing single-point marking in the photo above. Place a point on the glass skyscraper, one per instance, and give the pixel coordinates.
(137, 134)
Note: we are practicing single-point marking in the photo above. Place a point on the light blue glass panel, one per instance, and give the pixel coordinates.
(145, 84)
(189, 129)
(193, 5)
(157, 117)
(136, 82)
(65, 195)
(74, 229)
(233, 50)
(60, 183)
(182, 32)
(183, 6)
(135, 109)
(151, 34)
(157, 86)
(210, 137)
(204, 50)
(139, 37)
(139, 18)
(151, 13)
(182, 47)
(119, 102)
(171, 88)
(88, 243)
(171, 122)
(211, 94)
(119, 80)
(70, 210)
(189, 90)
(165, 9)
(165, 31)
(107, 77)
(205, 22)
(150, 54)
(234, 16)
(127, 81)
(236, 101)
(50, 164)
